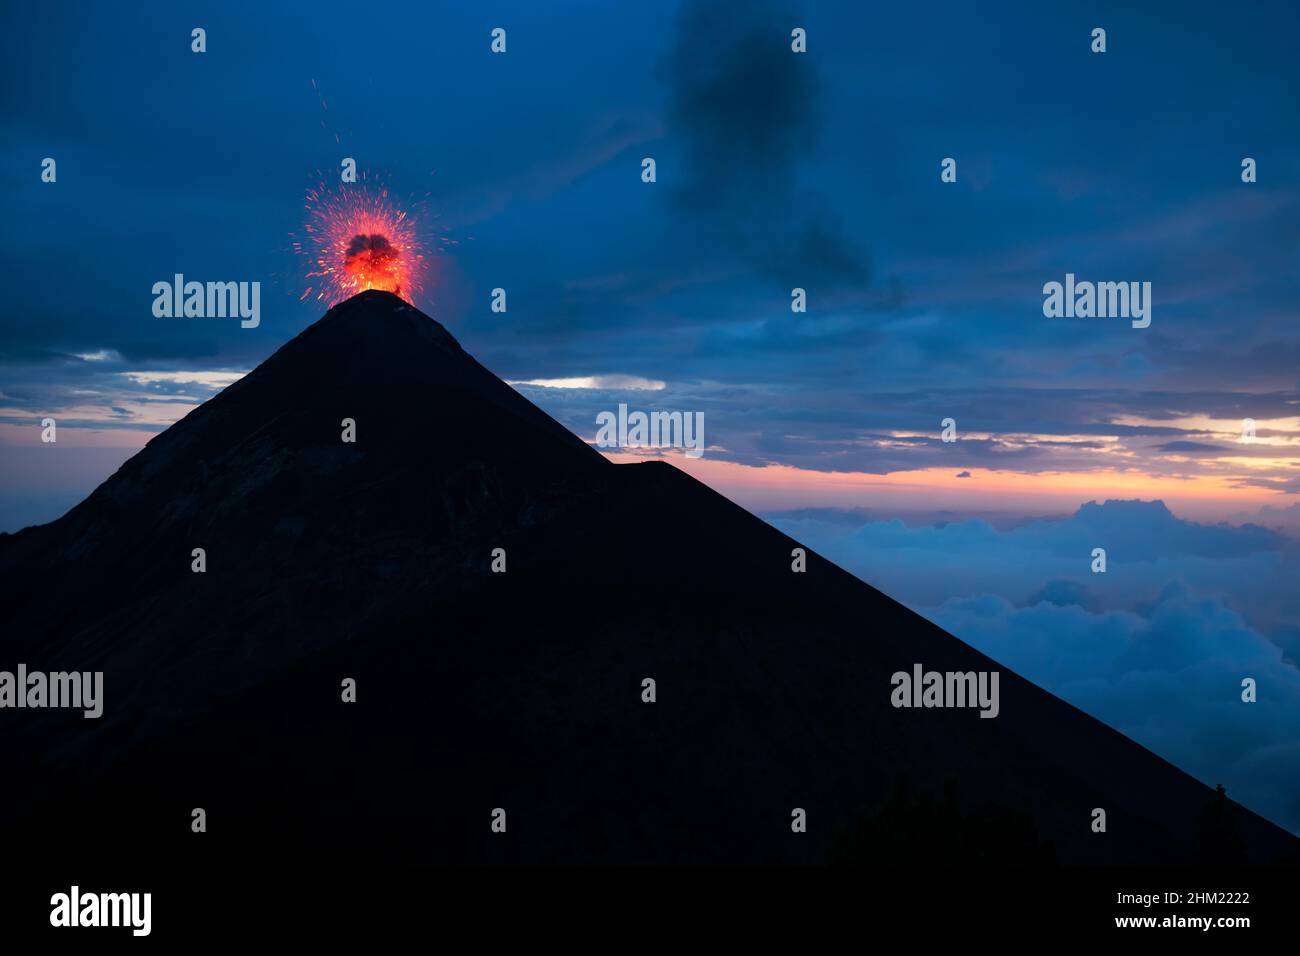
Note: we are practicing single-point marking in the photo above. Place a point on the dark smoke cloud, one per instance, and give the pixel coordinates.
(377, 247)
(747, 113)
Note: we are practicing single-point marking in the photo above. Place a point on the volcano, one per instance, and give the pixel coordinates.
(478, 691)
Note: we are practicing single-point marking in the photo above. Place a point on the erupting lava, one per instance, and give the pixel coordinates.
(358, 240)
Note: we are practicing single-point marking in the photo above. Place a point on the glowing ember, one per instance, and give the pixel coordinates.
(373, 263)
(358, 240)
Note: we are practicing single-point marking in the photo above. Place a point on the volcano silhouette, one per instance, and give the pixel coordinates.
(475, 690)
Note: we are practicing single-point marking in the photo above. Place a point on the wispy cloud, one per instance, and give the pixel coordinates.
(214, 380)
(630, 383)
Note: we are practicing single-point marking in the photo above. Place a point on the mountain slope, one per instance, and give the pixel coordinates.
(328, 560)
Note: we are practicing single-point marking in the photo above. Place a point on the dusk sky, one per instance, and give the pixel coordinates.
(774, 171)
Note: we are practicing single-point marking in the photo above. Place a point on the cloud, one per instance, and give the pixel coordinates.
(1169, 677)
(214, 380)
(1156, 646)
(95, 394)
(1189, 446)
(747, 113)
(1285, 520)
(801, 418)
(1146, 547)
(629, 382)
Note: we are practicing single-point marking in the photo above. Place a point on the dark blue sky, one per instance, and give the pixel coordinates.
(774, 170)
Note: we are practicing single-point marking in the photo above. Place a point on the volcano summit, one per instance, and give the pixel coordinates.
(371, 562)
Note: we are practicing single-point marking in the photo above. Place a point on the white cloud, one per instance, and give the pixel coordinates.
(615, 382)
(209, 379)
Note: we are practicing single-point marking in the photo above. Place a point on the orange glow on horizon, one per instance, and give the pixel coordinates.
(776, 487)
